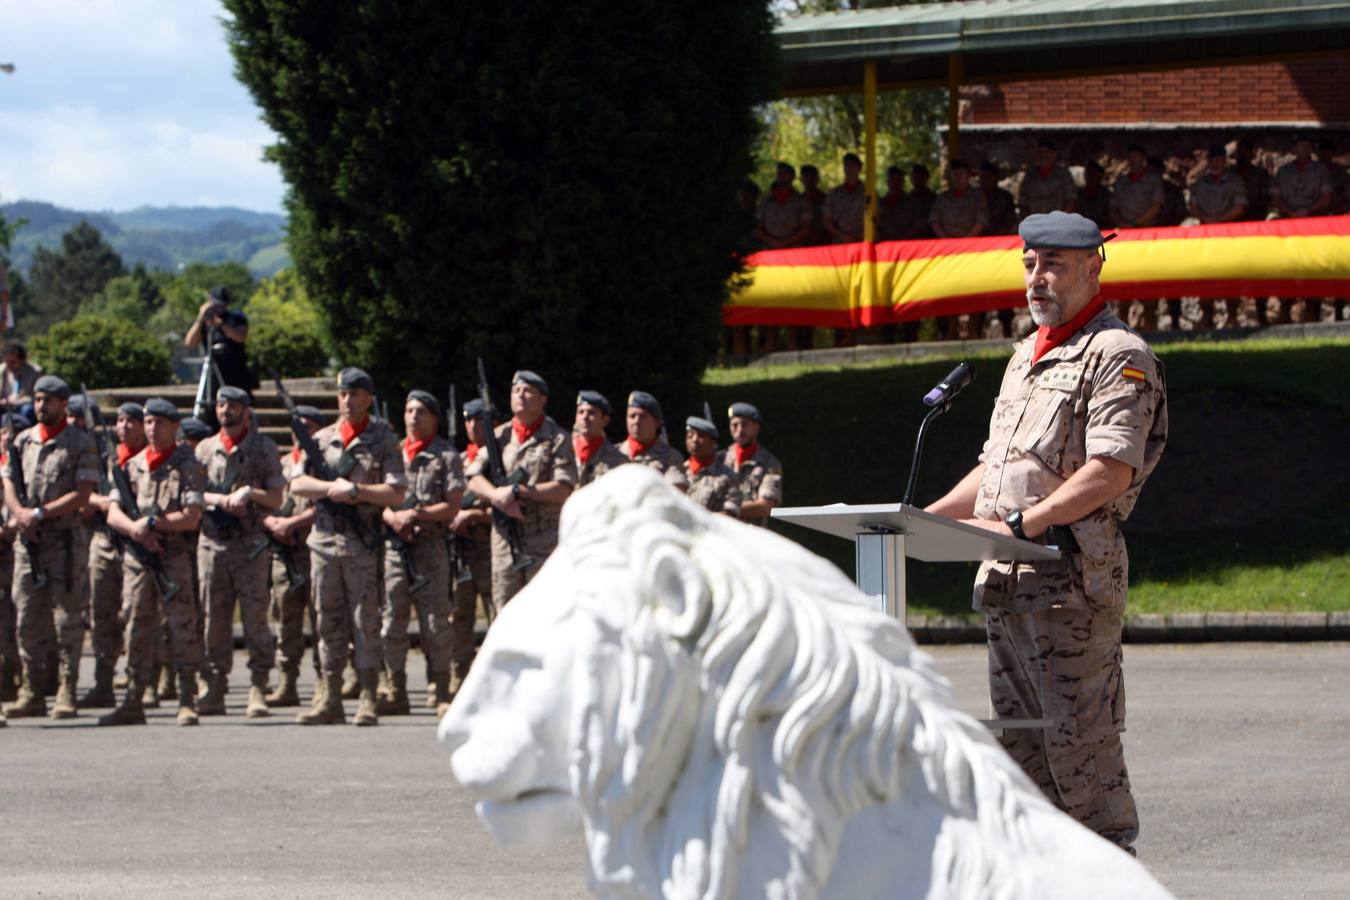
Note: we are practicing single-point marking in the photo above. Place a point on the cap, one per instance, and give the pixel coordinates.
(76, 405)
(234, 394)
(132, 411)
(54, 385)
(352, 378)
(158, 406)
(194, 429)
(474, 408)
(220, 292)
(698, 423)
(525, 376)
(313, 413)
(745, 411)
(428, 400)
(596, 399)
(644, 400)
(1066, 231)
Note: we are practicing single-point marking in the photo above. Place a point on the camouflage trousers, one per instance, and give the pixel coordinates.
(9, 616)
(477, 562)
(63, 556)
(149, 615)
(431, 559)
(1064, 665)
(290, 607)
(229, 576)
(506, 581)
(347, 593)
(105, 597)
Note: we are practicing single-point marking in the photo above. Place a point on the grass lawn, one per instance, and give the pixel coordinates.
(1243, 514)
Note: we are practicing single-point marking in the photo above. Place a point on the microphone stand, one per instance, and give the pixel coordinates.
(918, 448)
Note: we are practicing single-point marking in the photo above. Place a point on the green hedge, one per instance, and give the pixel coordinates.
(102, 351)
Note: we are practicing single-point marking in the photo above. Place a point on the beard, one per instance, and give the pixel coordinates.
(1045, 306)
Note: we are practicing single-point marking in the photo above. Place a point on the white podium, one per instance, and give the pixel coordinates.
(884, 534)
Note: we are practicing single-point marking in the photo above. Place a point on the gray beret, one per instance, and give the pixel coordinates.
(313, 413)
(352, 378)
(132, 411)
(194, 429)
(525, 376)
(158, 406)
(596, 399)
(428, 400)
(235, 394)
(21, 422)
(1065, 231)
(51, 384)
(698, 423)
(76, 405)
(745, 411)
(644, 400)
(474, 408)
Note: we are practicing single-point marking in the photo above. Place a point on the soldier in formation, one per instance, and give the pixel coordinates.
(711, 484)
(646, 443)
(758, 471)
(595, 454)
(472, 547)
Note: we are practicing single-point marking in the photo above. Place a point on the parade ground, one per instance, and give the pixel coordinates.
(1237, 752)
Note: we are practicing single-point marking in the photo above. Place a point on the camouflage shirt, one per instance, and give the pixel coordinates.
(955, 215)
(176, 484)
(1045, 193)
(714, 488)
(373, 457)
(1132, 197)
(760, 477)
(433, 474)
(898, 218)
(1301, 188)
(784, 218)
(478, 531)
(252, 463)
(293, 504)
(53, 469)
(1215, 198)
(663, 458)
(845, 209)
(605, 457)
(545, 456)
(1101, 394)
(1002, 212)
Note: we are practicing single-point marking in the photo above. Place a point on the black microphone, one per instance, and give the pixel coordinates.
(950, 386)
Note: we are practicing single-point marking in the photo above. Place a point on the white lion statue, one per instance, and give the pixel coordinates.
(725, 718)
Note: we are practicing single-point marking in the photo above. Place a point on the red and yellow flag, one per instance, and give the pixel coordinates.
(857, 285)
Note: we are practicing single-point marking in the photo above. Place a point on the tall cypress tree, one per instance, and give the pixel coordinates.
(549, 185)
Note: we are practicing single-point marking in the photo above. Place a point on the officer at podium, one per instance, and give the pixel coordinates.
(1079, 424)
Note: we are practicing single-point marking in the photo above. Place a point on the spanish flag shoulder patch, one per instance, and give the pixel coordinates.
(1133, 374)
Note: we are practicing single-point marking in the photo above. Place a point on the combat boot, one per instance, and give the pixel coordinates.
(430, 702)
(121, 681)
(168, 688)
(351, 685)
(327, 709)
(440, 690)
(396, 703)
(131, 712)
(30, 704)
(101, 694)
(257, 701)
(53, 672)
(385, 691)
(150, 698)
(461, 672)
(285, 694)
(9, 679)
(187, 698)
(65, 706)
(213, 704)
(365, 709)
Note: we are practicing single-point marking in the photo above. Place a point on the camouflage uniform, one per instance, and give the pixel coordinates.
(782, 218)
(1301, 188)
(545, 456)
(1132, 197)
(1214, 198)
(760, 477)
(845, 207)
(9, 641)
(227, 561)
(290, 605)
(1095, 205)
(105, 592)
(52, 470)
(176, 484)
(343, 569)
(1054, 627)
(954, 215)
(714, 487)
(473, 583)
(663, 458)
(898, 218)
(1045, 193)
(602, 459)
(432, 473)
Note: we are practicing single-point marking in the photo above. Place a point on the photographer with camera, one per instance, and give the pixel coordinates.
(223, 332)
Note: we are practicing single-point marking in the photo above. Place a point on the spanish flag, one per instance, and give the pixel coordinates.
(859, 285)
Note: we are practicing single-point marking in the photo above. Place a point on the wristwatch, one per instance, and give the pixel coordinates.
(353, 492)
(1014, 521)
(39, 514)
(515, 491)
(151, 522)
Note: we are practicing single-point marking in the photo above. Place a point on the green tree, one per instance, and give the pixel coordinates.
(134, 297)
(102, 351)
(513, 179)
(185, 292)
(286, 328)
(63, 279)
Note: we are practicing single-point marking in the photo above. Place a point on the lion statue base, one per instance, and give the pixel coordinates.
(724, 717)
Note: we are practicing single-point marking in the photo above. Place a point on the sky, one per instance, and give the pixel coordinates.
(116, 104)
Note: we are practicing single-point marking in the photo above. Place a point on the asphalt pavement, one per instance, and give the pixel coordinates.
(1239, 753)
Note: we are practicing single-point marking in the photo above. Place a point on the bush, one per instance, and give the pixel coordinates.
(101, 351)
(286, 330)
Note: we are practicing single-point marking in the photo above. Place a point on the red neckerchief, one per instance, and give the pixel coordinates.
(1048, 338)
(351, 432)
(744, 453)
(155, 456)
(524, 432)
(295, 454)
(230, 443)
(413, 447)
(851, 188)
(1133, 177)
(696, 465)
(634, 448)
(125, 453)
(586, 447)
(959, 194)
(781, 194)
(1044, 171)
(471, 451)
(45, 434)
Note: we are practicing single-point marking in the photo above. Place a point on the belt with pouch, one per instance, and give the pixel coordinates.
(1060, 536)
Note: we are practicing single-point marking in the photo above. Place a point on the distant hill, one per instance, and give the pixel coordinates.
(160, 237)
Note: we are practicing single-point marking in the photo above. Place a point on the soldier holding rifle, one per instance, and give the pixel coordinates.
(472, 528)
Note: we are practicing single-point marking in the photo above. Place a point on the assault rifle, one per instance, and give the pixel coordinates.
(228, 523)
(144, 555)
(99, 433)
(317, 466)
(295, 579)
(21, 491)
(497, 474)
(416, 580)
(457, 564)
